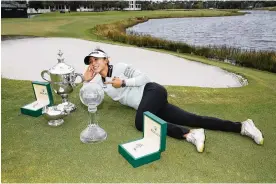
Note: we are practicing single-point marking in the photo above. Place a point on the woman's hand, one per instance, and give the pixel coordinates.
(89, 74)
(116, 82)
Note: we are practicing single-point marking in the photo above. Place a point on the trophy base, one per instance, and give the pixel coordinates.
(93, 134)
(55, 123)
(93, 141)
(69, 107)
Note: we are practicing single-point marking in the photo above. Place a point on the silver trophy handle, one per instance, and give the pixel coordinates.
(75, 76)
(42, 74)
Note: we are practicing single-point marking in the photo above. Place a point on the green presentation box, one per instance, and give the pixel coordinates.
(44, 97)
(149, 148)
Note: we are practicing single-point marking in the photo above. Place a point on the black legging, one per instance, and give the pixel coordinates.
(155, 101)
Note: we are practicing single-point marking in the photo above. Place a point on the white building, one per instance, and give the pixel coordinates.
(85, 9)
(133, 6)
(33, 11)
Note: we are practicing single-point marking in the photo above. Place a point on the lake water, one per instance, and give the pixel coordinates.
(256, 30)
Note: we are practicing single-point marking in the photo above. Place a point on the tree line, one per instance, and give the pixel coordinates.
(74, 5)
(149, 5)
(152, 5)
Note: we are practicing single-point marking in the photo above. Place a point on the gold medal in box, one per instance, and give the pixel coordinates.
(149, 148)
(44, 97)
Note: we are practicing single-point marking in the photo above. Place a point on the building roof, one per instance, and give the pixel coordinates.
(12, 4)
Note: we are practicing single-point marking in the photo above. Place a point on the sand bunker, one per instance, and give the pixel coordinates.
(24, 59)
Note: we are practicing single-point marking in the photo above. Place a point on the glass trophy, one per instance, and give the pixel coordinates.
(92, 95)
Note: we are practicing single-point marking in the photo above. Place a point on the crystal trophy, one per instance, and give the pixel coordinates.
(92, 95)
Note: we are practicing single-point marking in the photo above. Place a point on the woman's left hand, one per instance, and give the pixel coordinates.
(116, 82)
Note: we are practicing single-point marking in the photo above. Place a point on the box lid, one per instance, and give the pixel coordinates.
(43, 92)
(155, 130)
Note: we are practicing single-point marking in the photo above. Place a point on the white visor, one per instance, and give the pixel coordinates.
(96, 54)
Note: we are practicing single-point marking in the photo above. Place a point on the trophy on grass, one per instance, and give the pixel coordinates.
(63, 78)
(92, 95)
(54, 114)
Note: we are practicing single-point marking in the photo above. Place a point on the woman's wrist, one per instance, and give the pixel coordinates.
(123, 84)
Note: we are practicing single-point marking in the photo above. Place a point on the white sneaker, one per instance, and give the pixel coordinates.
(249, 129)
(197, 137)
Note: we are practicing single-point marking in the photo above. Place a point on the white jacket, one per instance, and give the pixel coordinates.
(131, 95)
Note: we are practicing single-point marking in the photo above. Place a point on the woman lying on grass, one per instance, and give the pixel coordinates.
(133, 88)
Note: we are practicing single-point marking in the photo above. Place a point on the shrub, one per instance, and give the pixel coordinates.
(263, 60)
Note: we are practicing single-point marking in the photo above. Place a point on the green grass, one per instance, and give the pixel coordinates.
(34, 152)
(78, 25)
(273, 8)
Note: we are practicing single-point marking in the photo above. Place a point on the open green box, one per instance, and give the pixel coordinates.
(149, 148)
(44, 97)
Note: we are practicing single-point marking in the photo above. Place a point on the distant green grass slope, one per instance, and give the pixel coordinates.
(78, 24)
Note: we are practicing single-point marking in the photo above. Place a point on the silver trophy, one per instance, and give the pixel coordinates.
(92, 95)
(54, 114)
(62, 79)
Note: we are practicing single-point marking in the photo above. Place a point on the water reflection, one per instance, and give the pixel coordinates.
(256, 30)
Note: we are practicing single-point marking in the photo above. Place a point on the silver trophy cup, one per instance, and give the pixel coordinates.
(54, 114)
(62, 80)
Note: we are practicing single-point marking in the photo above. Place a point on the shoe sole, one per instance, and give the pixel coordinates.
(261, 142)
(202, 149)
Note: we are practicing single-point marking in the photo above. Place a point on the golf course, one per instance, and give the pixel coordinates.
(34, 152)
